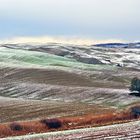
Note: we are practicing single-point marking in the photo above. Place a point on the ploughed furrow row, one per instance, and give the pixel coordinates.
(47, 92)
(66, 78)
(19, 109)
(54, 77)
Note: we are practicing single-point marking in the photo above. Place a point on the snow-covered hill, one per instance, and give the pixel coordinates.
(108, 54)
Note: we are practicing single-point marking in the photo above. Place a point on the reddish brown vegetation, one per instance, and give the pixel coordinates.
(46, 125)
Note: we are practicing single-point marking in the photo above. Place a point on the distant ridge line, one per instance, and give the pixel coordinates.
(122, 45)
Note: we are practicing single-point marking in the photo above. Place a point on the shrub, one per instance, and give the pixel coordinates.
(16, 127)
(52, 123)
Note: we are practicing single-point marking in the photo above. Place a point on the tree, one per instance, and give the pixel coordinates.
(135, 84)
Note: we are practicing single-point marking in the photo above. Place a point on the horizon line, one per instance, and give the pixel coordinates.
(60, 39)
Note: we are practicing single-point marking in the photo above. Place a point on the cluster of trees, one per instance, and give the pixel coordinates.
(135, 85)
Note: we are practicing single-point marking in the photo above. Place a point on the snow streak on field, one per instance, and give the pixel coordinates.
(126, 131)
(68, 56)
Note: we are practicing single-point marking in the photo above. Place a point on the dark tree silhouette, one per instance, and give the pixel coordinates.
(135, 84)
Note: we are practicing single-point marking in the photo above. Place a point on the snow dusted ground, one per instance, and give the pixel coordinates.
(56, 80)
(126, 131)
(128, 57)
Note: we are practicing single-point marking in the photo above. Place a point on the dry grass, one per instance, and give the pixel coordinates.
(63, 123)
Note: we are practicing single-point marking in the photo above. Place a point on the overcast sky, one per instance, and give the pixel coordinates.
(98, 19)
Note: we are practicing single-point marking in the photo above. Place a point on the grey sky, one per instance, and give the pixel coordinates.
(98, 19)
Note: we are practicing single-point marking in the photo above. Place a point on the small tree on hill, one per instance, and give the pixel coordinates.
(135, 84)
